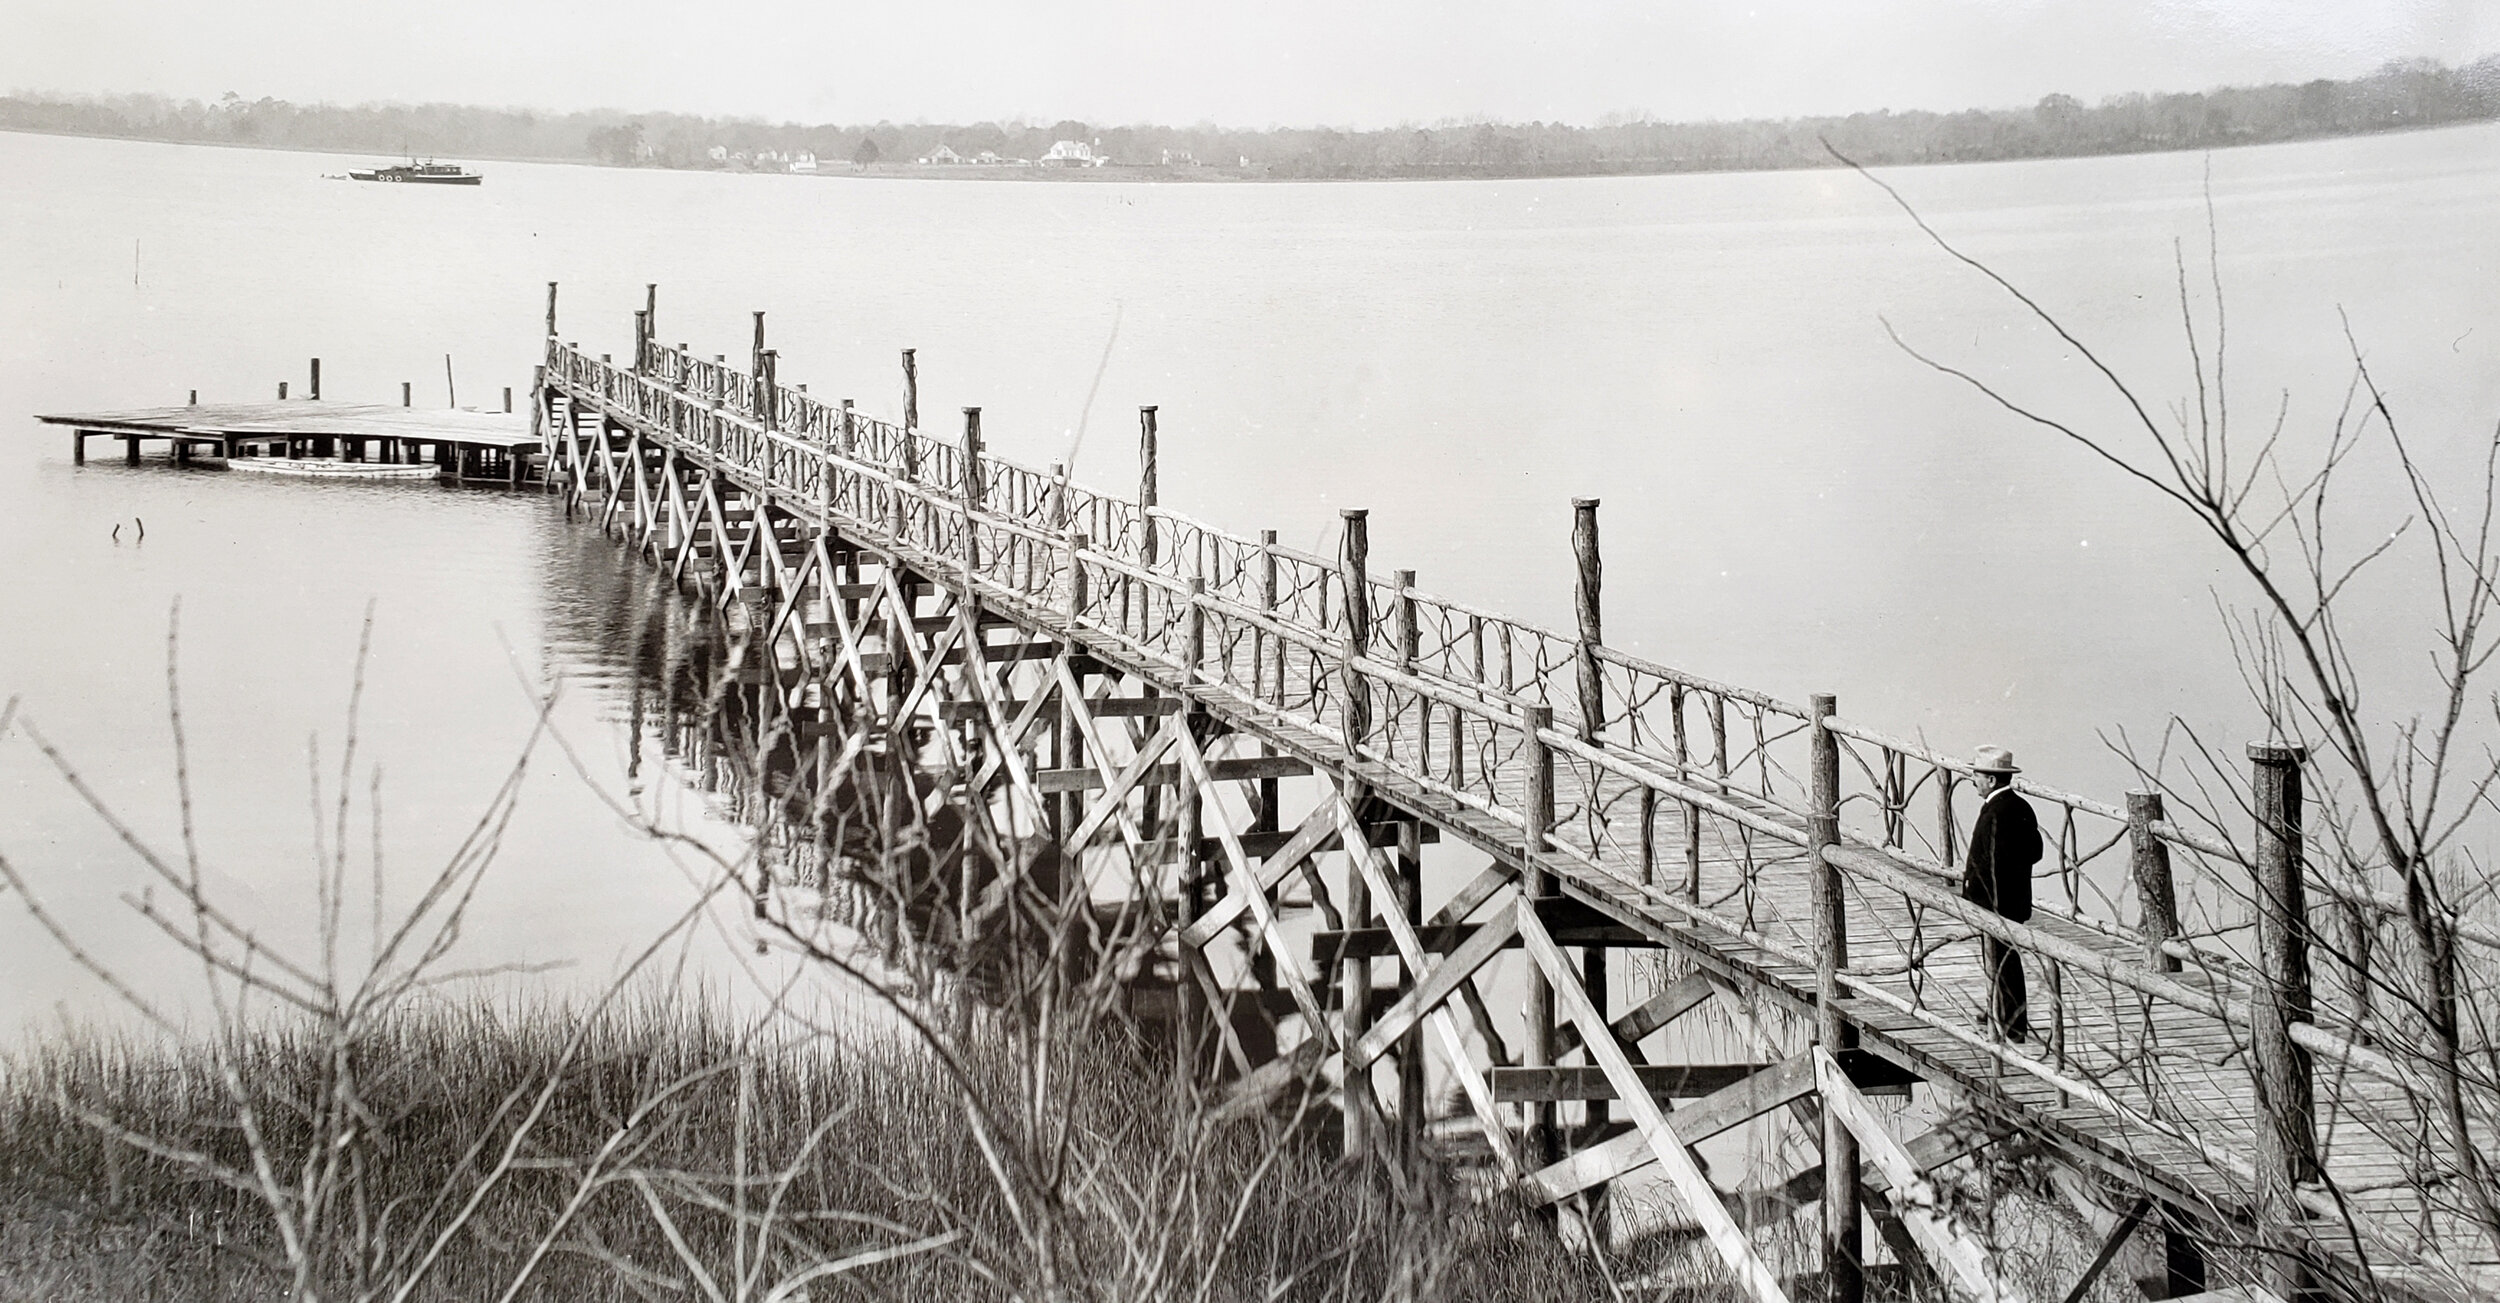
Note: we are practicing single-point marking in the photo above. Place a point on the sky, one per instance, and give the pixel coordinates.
(1349, 63)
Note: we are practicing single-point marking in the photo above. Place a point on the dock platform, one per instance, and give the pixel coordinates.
(460, 442)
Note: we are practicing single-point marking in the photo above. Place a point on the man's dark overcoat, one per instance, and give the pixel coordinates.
(2004, 844)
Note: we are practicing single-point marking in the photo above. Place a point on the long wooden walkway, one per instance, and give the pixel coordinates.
(1782, 854)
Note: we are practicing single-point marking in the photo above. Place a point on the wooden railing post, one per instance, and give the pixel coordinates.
(1353, 558)
(551, 309)
(1076, 576)
(972, 493)
(2156, 898)
(1844, 1260)
(768, 389)
(1259, 642)
(2287, 1138)
(642, 342)
(1401, 585)
(1149, 493)
(911, 394)
(651, 311)
(1585, 601)
(1544, 1131)
(755, 353)
(846, 441)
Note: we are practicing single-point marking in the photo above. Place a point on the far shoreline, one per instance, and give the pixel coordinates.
(1195, 175)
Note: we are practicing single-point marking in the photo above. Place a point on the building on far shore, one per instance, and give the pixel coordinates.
(942, 155)
(1073, 153)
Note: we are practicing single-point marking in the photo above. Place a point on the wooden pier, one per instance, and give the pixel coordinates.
(1135, 680)
(461, 443)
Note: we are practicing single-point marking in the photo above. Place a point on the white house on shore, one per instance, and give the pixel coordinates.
(942, 155)
(1073, 153)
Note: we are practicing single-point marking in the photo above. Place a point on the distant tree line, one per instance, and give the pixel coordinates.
(2403, 94)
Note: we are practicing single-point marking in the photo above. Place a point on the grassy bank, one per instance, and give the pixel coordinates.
(663, 1152)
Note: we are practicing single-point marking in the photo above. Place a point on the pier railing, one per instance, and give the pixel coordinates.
(1490, 716)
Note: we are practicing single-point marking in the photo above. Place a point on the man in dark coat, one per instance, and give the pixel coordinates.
(1996, 875)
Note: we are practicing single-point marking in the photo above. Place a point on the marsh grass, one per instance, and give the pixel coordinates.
(749, 1160)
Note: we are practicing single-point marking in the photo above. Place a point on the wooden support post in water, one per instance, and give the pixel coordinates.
(1149, 495)
(1589, 574)
(130, 449)
(651, 310)
(551, 309)
(1412, 1093)
(451, 392)
(312, 383)
(2148, 861)
(1844, 1250)
(282, 391)
(1544, 1132)
(755, 353)
(2287, 1138)
(1353, 557)
(195, 398)
(407, 394)
(507, 399)
(911, 393)
(642, 340)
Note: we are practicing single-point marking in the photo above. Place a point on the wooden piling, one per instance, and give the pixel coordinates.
(195, 398)
(846, 438)
(407, 394)
(507, 399)
(1844, 1250)
(1149, 495)
(551, 309)
(1409, 636)
(2287, 1138)
(972, 493)
(1589, 575)
(642, 342)
(312, 383)
(1544, 1131)
(1188, 833)
(755, 353)
(2148, 862)
(651, 309)
(1354, 998)
(911, 393)
(1353, 558)
(282, 391)
(767, 383)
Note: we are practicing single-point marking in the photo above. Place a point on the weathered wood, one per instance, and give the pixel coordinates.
(911, 393)
(1149, 495)
(1086, 780)
(1700, 1199)
(2287, 1138)
(1544, 1129)
(1589, 574)
(1731, 1106)
(2148, 864)
(1968, 1262)
(1843, 1243)
(1378, 942)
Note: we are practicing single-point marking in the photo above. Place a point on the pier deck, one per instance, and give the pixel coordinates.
(460, 441)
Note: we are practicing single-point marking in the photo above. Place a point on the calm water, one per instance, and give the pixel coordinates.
(1789, 500)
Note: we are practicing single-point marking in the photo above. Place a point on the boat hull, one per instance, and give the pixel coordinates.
(330, 468)
(471, 179)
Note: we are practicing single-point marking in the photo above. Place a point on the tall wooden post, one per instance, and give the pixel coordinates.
(1544, 1131)
(642, 341)
(1590, 573)
(1409, 638)
(2148, 861)
(282, 391)
(2287, 1138)
(1353, 559)
(756, 352)
(1354, 999)
(846, 440)
(1149, 494)
(551, 309)
(651, 311)
(911, 394)
(972, 493)
(507, 400)
(1844, 1256)
(312, 383)
(407, 394)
